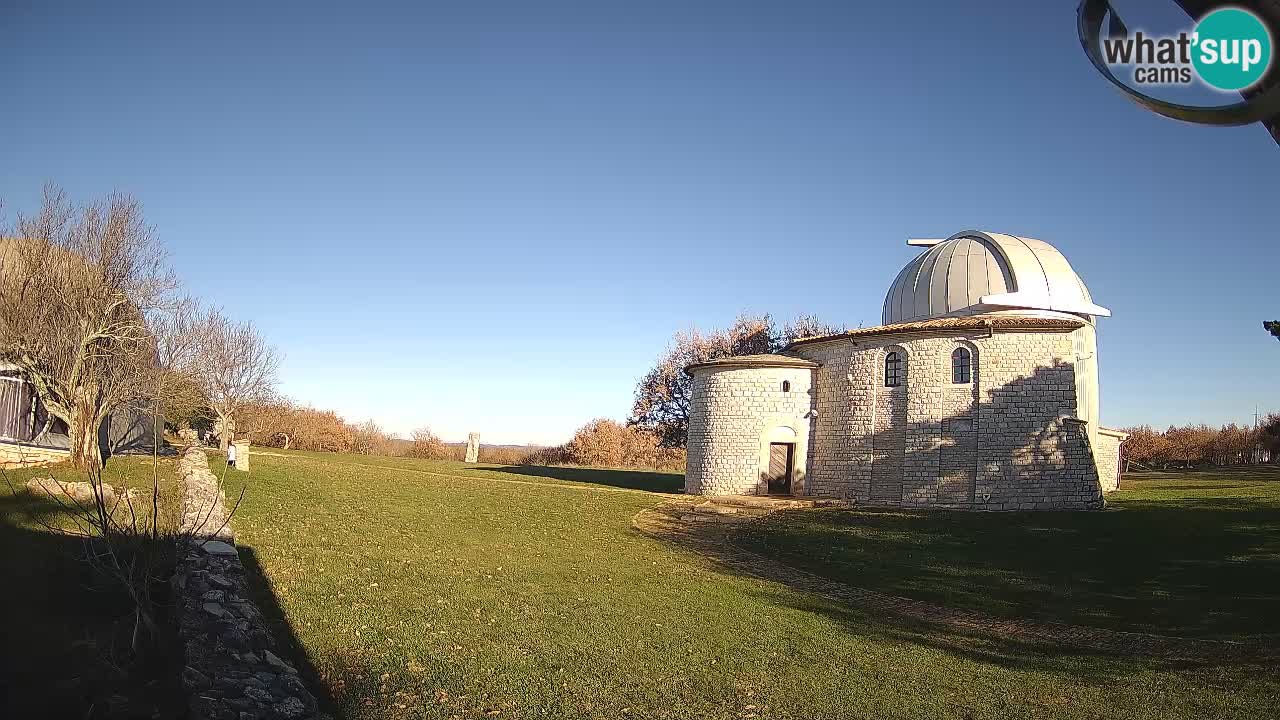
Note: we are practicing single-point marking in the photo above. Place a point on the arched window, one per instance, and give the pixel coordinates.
(961, 366)
(892, 369)
(786, 386)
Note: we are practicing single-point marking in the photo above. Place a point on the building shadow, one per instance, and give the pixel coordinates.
(652, 481)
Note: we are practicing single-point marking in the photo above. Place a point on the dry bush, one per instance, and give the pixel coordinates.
(554, 455)
(500, 455)
(606, 443)
(368, 438)
(426, 445)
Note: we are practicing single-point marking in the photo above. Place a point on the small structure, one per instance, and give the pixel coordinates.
(473, 447)
(242, 455)
(978, 391)
(29, 435)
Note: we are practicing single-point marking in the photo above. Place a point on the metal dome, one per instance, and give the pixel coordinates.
(973, 272)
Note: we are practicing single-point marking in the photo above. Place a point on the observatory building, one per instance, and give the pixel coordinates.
(979, 390)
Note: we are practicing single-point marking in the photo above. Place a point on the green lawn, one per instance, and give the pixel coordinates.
(434, 589)
(1192, 553)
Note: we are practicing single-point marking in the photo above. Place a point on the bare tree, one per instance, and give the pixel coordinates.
(236, 367)
(76, 286)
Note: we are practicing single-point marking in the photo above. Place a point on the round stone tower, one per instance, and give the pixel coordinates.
(749, 425)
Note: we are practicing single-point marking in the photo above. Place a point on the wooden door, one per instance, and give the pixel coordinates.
(781, 461)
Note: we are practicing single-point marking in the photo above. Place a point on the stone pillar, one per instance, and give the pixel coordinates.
(242, 455)
(473, 447)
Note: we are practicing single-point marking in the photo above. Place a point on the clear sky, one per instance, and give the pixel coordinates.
(493, 216)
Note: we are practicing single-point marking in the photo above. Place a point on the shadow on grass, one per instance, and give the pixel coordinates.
(291, 648)
(66, 649)
(652, 481)
(67, 637)
(1096, 665)
(1178, 569)
(1201, 568)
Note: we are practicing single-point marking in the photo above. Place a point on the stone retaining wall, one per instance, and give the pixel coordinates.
(232, 671)
(17, 455)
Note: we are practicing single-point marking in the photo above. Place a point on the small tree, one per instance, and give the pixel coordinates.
(1144, 446)
(236, 368)
(1273, 327)
(76, 287)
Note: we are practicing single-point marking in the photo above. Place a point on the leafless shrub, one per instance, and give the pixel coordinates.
(368, 438)
(284, 424)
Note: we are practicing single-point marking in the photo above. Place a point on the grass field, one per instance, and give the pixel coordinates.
(432, 589)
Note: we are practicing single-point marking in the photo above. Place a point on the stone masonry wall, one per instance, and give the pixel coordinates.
(232, 670)
(732, 412)
(1000, 442)
(1108, 461)
(14, 455)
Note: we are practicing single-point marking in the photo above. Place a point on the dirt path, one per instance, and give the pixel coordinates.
(714, 540)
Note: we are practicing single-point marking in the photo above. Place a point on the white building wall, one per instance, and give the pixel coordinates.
(735, 413)
(1007, 440)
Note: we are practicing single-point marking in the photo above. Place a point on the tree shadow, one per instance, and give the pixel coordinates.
(1096, 664)
(653, 481)
(66, 651)
(67, 636)
(1197, 568)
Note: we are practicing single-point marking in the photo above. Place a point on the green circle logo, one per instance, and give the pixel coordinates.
(1232, 49)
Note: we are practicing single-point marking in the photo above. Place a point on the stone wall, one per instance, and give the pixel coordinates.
(735, 413)
(13, 455)
(999, 442)
(1108, 454)
(232, 668)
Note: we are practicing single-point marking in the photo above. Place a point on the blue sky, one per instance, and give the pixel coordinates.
(493, 216)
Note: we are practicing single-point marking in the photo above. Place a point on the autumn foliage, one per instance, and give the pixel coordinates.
(607, 443)
(1202, 445)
